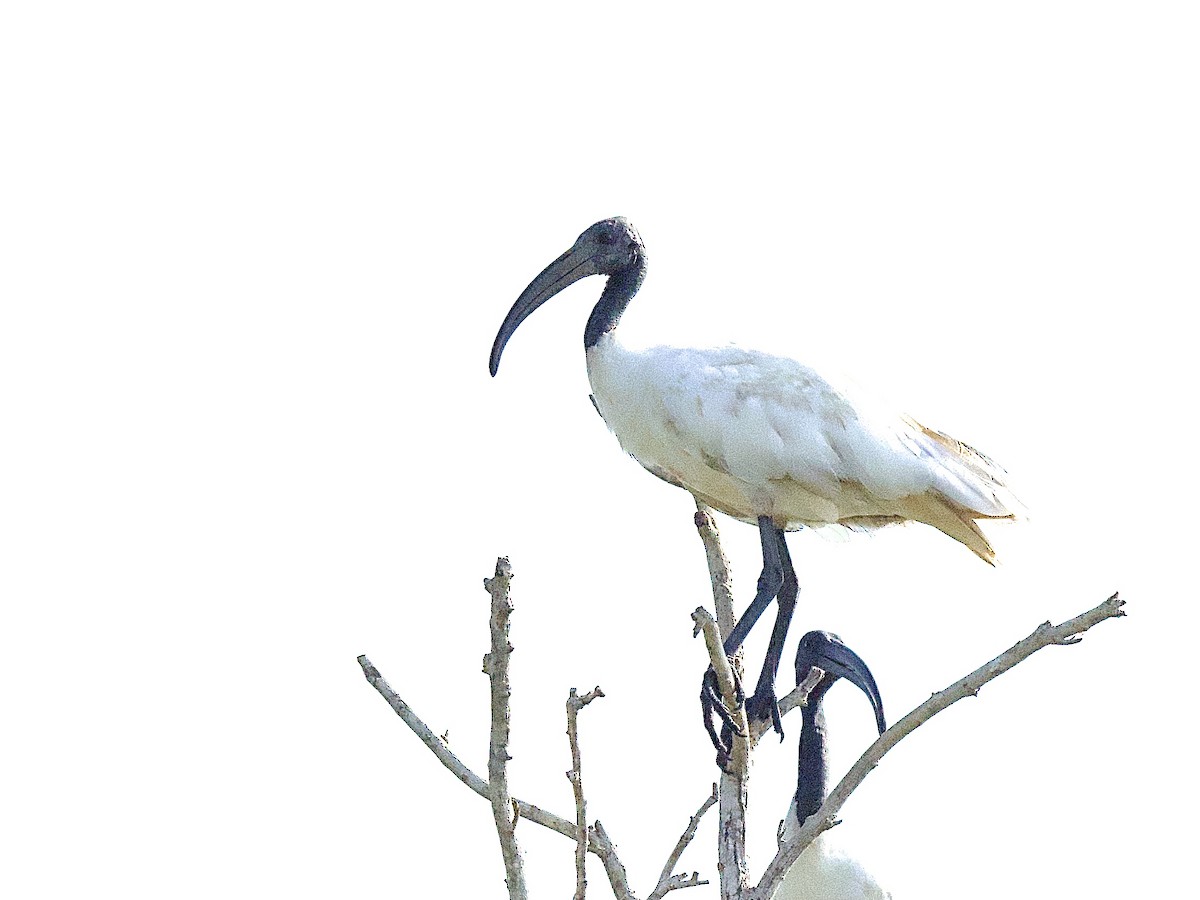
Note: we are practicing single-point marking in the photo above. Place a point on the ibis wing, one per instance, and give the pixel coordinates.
(772, 421)
(754, 434)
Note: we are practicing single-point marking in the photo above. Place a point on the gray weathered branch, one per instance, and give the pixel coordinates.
(495, 666)
(425, 733)
(718, 567)
(735, 775)
(601, 844)
(574, 704)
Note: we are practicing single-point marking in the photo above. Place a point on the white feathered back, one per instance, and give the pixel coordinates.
(753, 434)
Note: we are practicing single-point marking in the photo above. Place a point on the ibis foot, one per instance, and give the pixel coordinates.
(713, 708)
(764, 705)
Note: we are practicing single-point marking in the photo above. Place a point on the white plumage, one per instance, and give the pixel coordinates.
(752, 434)
(823, 872)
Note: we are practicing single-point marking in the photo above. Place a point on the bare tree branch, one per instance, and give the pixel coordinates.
(718, 567)
(495, 666)
(423, 731)
(731, 828)
(1069, 632)
(732, 866)
(677, 882)
(797, 696)
(668, 882)
(574, 704)
(600, 844)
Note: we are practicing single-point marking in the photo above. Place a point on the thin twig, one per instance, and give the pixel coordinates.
(424, 732)
(677, 882)
(797, 696)
(1045, 635)
(667, 881)
(495, 665)
(574, 704)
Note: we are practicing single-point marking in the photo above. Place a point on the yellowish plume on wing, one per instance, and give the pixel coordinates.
(973, 488)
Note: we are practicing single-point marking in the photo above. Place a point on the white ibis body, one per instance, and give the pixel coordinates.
(825, 873)
(761, 438)
(822, 872)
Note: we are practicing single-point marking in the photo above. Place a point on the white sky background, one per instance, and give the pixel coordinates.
(254, 256)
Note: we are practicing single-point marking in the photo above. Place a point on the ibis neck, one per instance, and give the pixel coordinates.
(812, 770)
(618, 291)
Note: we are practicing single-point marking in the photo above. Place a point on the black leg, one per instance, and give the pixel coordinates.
(764, 703)
(769, 583)
(776, 573)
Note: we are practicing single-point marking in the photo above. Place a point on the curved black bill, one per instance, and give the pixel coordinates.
(839, 661)
(576, 263)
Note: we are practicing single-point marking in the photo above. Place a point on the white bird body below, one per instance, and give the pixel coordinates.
(825, 873)
(752, 435)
